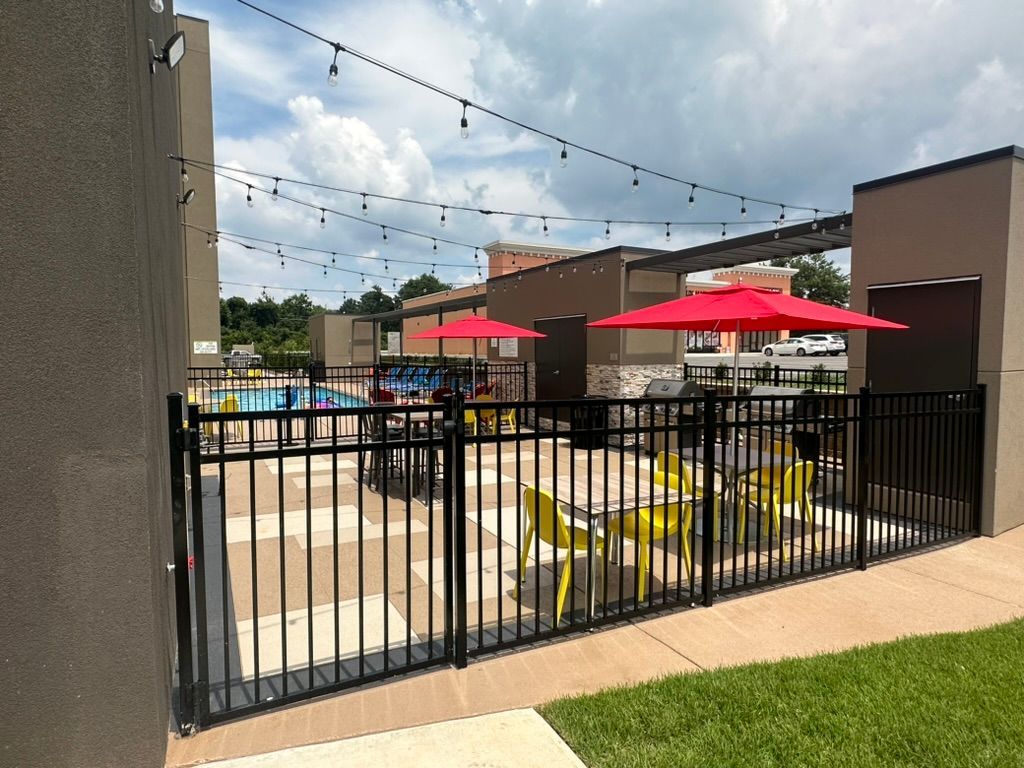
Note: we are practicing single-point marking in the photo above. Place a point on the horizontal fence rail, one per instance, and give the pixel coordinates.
(367, 541)
(766, 375)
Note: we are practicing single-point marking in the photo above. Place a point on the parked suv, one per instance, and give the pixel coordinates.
(796, 346)
(835, 343)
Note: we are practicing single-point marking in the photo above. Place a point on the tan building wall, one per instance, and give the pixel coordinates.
(506, 257)
(954, 223)
(202, 296)
(88, 207)
(336, 340)
(414, 325)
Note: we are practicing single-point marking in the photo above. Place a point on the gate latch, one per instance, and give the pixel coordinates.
(187, 438)
(448, 427)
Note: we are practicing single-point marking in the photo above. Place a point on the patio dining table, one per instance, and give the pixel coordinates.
(592, 497)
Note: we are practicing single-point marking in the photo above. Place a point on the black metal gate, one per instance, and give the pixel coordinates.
(300, 564)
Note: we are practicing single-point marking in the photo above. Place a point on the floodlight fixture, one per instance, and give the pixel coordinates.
(171, 54)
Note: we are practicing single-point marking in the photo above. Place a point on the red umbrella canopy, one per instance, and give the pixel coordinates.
(753, 309)
(476, 327)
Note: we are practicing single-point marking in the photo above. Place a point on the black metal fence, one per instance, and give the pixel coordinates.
(766, 374)
(430, 533)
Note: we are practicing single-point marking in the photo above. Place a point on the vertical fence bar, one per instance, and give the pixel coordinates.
(708, 500)
(448, 524)
(863, 460)
(202, 700)
(459, 489)
(182, 597)
(979, 459)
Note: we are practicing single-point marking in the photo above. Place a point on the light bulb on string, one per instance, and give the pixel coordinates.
(692, 201)
(432, 267)
(601, 269)
(782, 216)
(156, 6)
(464, 125)
(384, 232)
(668, 232)
(332, 257)
(325, 270)
(362, 279)
(564, 159)
(842, 224)
(248, 197)
(385, 265)
(560, 275)
(593, 269)
(574, 269)
(743, 207)
(476, 254)
(636, 179)
(723, 230)
(365, 209)
(209, 242)
(435, 245)
(607, 230)
(323, 219)
(273, 193)
(443, 217)
(184, 171)
(332, 71)
(814, 221)
(519, 274)
(547, 267)
(546, 232)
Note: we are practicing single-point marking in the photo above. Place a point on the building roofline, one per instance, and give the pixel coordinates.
(620, 250)
(504, 246)
(950, 165)
(763, 268)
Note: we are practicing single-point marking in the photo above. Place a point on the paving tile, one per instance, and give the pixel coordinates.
(322, 481)
(239, 529)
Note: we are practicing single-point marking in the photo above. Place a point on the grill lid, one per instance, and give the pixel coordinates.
(673, 388)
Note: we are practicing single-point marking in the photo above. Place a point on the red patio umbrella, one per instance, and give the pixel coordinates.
(476, 327)
(743, 308)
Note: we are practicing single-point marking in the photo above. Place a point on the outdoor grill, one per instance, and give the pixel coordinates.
(655, 416)
(786, 412)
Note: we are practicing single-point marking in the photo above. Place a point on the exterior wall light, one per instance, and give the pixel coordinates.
(171, 54)
(187, 197)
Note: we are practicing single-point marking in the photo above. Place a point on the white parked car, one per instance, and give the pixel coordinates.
(800, 347)
(835, 343)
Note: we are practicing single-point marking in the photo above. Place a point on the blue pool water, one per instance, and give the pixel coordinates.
(272, 399)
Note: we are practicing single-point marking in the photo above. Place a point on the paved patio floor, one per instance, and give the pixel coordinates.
(956, 588)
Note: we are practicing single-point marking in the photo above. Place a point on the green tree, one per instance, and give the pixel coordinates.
(421, 286)
(373, 302)
(817, 279)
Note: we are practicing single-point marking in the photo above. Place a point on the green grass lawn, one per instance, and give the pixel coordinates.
(944, 700)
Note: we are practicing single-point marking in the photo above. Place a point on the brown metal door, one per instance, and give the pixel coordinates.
(561, 357)
(940, 349)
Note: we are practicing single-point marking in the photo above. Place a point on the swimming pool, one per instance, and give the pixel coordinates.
(272, 398)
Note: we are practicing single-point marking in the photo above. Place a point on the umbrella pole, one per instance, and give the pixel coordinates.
(735, 383)
(473, 391)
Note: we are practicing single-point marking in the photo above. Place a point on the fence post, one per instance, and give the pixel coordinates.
(863, 453)
(287, 419)
(707, 564)
(526, 390)
(309, 382)
(979, 461)
(686, 370)
(176, 433)
(459, 508)
(195, 471)
(777, 378)
(448, 513)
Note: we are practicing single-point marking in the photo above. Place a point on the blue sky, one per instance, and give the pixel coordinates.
(795, 101)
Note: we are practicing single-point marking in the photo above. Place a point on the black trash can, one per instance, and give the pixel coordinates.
(590, 423)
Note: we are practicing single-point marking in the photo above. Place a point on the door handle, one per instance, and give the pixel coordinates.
(554, 373)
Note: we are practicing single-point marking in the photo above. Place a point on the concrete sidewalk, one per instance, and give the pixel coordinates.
(962, 587)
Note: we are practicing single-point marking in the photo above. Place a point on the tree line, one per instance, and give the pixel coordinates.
(284, 326)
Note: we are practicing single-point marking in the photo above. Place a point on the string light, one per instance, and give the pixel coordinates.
(607, 230)
(723, 230)
(385, 265)
(325, 270)
(248, 197)
(444, 219)
(209, 242)
(601, 269)
(564, 159)
(692, 201)
(435, 246)
(636, 179)
(338, 48)
(464, 125)
(814, 222)
(782, 216)
(574, 269)
(384, 232)
(547, 267)
(668, 233)
(273, 193)
(546, 232)
(184, 173)
(332, 257)
(743, 207)
(560, 275)
(476, 254)
(323, 219)
(332, 71)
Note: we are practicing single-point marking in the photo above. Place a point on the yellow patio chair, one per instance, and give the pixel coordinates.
(470, 419)
(673, 465)
(654, 523)
(489, 418)
(545, 516)
(771, 497)
(773, 475)
(507, 417)
(230, 405)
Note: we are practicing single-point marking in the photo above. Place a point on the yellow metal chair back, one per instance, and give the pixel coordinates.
(489, 416)
(795, 483)
(546, 517)
(672, 463)
(230, 405)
